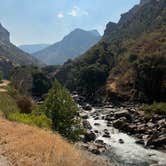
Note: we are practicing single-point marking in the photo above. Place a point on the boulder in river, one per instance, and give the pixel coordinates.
(157, 142)
(140, 141)
(106, 135)
(87, 107)
(99, 142)
(83, 115)
(89, 136)
(97, 124)
(93, 149)
(86, 125)
(120, 123)
(121, 141)
(123, 113)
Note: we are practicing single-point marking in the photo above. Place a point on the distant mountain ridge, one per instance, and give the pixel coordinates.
(72, 45)
(32, 48)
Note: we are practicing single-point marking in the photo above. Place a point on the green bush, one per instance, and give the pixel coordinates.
(8, 104)
(31, 119)
(60, 107)
(155, 108)
(11, 111)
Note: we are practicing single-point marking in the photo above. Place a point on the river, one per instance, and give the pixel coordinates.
(123, 154)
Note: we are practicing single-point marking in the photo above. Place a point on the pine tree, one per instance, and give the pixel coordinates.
(61, 108)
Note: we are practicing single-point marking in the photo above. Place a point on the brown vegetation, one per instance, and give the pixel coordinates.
(28, 146)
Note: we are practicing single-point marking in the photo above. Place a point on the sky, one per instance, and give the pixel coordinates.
(48, 21)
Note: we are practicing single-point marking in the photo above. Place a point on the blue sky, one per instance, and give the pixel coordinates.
(48, 21)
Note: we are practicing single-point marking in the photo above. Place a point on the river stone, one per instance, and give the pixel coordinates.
(97, 124)
(86, 125)
(131, 128)
(83, 115)
(123, 113)
(140, 141)
(89, 136)
(96, 118)
(157, 142)
(99, 142)
(87, 107)
(94, 149)
(121, 141)
(96, 131)
(120, 123)
(106, 135)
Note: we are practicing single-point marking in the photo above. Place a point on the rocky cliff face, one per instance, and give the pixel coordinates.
(4, 35)
(13, 53)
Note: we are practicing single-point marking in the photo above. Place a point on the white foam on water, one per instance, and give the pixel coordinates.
(129, 151)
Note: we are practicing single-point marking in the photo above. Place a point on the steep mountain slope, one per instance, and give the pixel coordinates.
(10, 55)
(72, 45)
(130, 60)
(32, 48)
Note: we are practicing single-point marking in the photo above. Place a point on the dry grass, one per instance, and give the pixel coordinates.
(3, 85)
(24, 145)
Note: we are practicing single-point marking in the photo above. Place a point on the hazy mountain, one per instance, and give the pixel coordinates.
(72, 45)
(32, 48)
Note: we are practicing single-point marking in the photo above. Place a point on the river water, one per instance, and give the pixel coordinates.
(129, 153)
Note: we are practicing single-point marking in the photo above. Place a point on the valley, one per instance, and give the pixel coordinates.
(87, 100)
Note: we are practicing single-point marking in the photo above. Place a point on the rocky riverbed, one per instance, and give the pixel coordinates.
(124, 135)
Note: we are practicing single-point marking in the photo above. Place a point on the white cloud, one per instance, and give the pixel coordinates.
(76, 11)
(60, 15)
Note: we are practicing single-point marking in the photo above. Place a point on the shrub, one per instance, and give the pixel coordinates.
(60, 107)
(38, 120)
(25, 104)
(158, 108)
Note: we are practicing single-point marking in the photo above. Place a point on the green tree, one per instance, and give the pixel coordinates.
(41, 84)
(61, 108)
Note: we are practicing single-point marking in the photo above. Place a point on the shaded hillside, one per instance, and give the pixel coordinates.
(127, 59)
(72, 45)
(32, 48)
(11, 55)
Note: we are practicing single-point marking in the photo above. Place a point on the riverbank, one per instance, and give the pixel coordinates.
(119, 133)
(25, 145)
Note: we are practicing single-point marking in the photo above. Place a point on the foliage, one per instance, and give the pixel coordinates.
(41, 84)
(32, 119)
(89, 72)
(7, 104)
(157, 108)
(61, 109)
(11, 111)
(92, 77)
(30, 80)
(150, 77)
